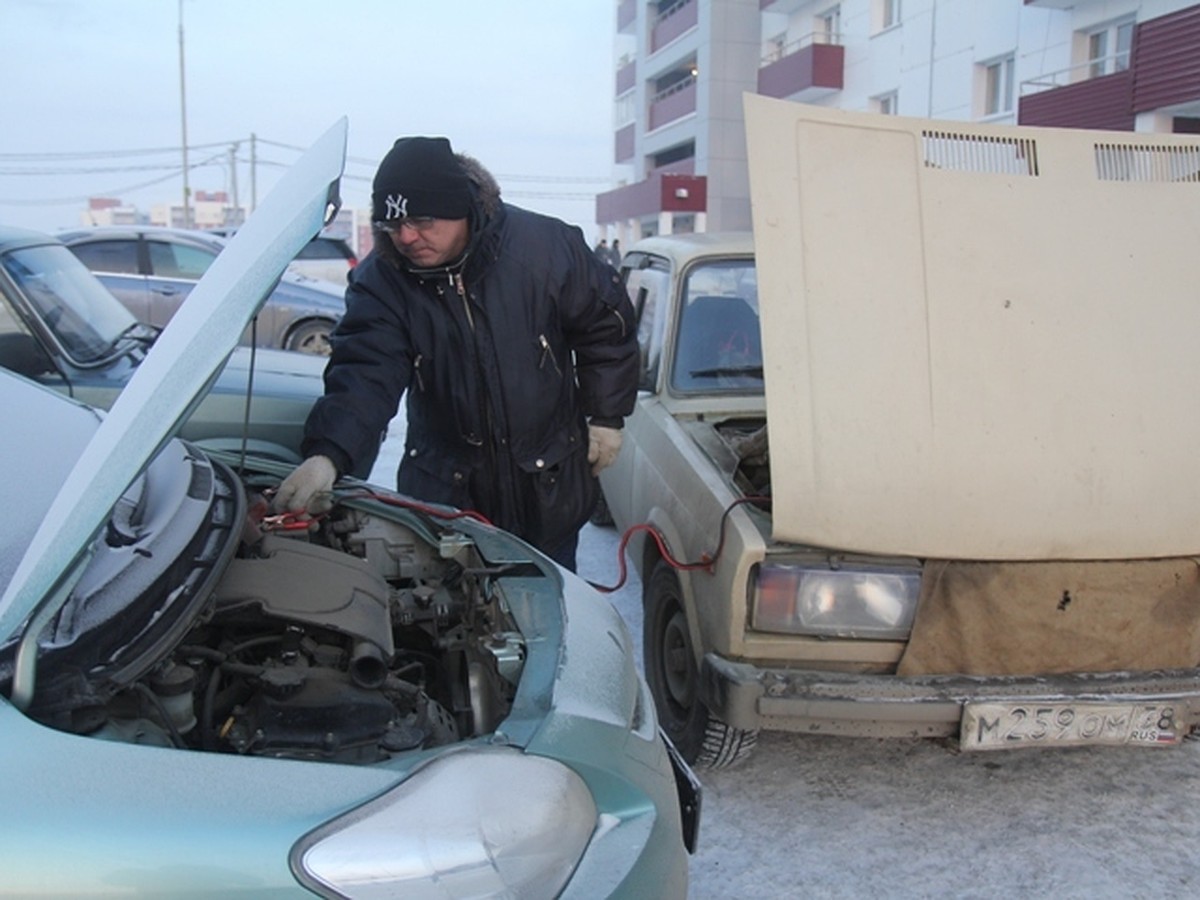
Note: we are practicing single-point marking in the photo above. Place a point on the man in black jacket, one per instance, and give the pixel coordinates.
(515, 345)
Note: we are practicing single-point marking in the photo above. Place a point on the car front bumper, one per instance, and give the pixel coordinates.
(748, 696)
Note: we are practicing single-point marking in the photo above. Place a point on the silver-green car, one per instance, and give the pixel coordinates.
(61, 327)
(199, 697)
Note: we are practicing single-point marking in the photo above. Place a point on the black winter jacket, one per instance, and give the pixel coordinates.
(504, 357)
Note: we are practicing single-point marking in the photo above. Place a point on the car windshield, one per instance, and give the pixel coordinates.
(85, 318)
(718, 347)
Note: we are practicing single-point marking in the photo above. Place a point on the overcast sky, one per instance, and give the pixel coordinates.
(525, 86)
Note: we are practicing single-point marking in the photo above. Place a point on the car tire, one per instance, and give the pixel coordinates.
(310, 337)
(701, 738)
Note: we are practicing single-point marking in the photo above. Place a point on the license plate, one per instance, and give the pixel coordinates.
(1001, 725)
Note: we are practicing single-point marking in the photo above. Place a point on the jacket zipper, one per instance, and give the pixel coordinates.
(547, 352)
(417, 372)
(620, 319)
(456, 280)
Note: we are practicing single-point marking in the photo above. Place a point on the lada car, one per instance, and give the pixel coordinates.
(918, 458)
(201, 697)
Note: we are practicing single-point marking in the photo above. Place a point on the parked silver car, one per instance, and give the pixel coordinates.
(152, 270)
(61, 328)
(199, 698)
(325, 258)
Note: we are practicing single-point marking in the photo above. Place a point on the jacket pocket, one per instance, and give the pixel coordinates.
(427, 473)
(558, 488)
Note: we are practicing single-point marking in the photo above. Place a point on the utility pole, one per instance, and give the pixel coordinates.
(233, 185)
(187, 212)
(253, 172)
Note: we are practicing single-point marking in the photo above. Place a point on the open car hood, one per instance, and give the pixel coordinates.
(979, 341)
(174, 377)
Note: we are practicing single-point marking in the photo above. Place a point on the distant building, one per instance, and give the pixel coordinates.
(208, 210)
(682, 66)
(109, 211)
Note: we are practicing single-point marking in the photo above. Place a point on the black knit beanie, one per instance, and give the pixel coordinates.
(420, 176)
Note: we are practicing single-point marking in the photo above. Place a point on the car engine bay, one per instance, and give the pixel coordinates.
(350, 638)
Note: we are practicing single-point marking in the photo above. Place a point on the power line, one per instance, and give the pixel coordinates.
(71, 156)
(174, 173)
(57, 163)
(104, 154)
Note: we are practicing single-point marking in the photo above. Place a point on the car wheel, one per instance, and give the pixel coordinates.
(310, 337)
(701, 738)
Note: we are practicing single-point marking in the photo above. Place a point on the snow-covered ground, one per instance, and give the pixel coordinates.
(825, 817)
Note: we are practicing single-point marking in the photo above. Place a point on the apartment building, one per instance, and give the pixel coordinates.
(682, 67)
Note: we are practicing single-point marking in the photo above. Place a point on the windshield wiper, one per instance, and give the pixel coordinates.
(141, 333)
(727, 371)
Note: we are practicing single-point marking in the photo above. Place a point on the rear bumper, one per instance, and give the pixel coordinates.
(747, 696)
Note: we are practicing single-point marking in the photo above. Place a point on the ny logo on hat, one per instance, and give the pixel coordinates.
(397, 206)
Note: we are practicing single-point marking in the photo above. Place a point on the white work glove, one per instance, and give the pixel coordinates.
(308, 488)
(604, 444)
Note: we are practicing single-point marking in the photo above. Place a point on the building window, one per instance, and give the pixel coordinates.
(626, 108)
(673, 155)
(1108, 48)
(827, 29)
(885, 104)
(998, 87)
(885, 14)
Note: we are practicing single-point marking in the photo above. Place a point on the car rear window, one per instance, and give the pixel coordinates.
(119, 257)
(325, 248)
(178, 260)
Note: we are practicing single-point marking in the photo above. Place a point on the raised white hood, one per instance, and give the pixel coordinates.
(167, 386)
(981, 342)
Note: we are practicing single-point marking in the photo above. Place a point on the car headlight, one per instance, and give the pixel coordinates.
(478, 823)
(851, 603)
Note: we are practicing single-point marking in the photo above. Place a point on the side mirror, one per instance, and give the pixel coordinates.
(21, 353)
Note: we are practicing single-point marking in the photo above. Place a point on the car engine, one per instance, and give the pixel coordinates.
(748, 442)
(350, 639)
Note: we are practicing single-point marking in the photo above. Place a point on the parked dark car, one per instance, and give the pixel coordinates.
(60, 327)
(152, 270)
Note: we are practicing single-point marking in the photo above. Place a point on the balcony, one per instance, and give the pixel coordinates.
(1078, 98)
(670, 24)
(803, 70)
(672, 103)
(623, 143)
(1162, 71)
(626, 16)
(1166, 60)
(626, 76)
(663, 190)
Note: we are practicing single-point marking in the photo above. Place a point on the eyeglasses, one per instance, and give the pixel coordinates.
(418, 223)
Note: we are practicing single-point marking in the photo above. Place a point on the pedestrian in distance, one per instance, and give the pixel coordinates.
(614, 254)
(511, 342)
(601, 250)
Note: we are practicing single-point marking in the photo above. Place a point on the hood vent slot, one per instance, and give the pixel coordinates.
(1138, 162)
(978, 153)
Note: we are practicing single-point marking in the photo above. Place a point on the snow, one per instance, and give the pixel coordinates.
(816, 816)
